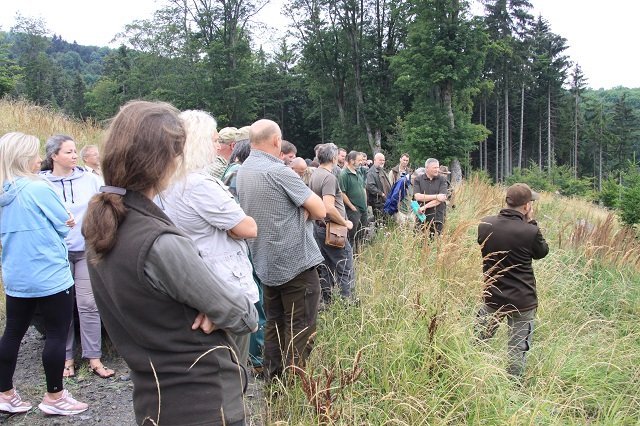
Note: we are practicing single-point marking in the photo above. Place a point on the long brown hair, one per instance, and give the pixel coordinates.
(142, 148)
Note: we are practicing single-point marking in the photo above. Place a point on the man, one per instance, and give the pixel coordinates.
(446, 174)
(378, 186)
(299, 166)
(337, 267)
(226, 139)
(355, 197)
(91, 159)
(430, 189)
(401, 170)
(285, 253)
(509, 242)
(288, 152)
(342, 155)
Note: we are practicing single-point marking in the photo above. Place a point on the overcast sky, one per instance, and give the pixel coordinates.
(601, 34)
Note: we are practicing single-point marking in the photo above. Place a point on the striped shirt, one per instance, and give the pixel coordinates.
(273, 195)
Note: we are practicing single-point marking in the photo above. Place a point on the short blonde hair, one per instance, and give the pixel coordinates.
(199, 150)
(17, 151)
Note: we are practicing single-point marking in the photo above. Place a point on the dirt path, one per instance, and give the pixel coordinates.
(110, 400)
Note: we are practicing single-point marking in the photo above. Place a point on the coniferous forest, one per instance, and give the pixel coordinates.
(494, 93)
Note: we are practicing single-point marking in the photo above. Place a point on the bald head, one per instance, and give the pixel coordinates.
(298, 165)
(262, 131)
(378, 160)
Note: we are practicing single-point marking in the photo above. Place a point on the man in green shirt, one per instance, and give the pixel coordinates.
(354, 196)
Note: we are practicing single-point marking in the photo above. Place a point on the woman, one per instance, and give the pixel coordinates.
(35, 272)
(75, 187)
(240, 152)
(167, 314)
(201, 207)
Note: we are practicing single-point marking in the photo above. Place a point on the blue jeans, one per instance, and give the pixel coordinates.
(520, 333)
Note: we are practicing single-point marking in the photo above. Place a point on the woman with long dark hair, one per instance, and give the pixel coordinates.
(75, 187)
(168, 315)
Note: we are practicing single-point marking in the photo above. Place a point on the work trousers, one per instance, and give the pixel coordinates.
(520, 333)
(291, 310)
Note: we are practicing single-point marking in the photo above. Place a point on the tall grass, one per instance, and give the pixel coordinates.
(412, 335)
(22, 116)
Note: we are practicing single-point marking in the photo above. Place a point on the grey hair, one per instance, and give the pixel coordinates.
(419, 171)
(241, 151)
(429, 162)
(327, 153)
(83, 151)
(52, 147)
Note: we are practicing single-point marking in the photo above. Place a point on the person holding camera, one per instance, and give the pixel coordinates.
(509, 242)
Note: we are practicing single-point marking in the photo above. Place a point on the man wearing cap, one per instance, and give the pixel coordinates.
(227, 140)
(509, 241)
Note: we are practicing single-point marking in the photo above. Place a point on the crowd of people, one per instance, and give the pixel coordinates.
(213, 259)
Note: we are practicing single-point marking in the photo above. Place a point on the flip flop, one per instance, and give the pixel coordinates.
(69, 371)
(107, 372)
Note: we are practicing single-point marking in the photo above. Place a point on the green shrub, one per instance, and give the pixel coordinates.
(610, 193)
(630, 199)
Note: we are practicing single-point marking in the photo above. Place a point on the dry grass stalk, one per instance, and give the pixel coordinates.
(322, 393)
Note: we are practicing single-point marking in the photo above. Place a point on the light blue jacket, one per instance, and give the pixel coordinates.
(32, 226)
(75, 191)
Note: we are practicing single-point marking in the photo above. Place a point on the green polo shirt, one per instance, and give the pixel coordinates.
(351, 183)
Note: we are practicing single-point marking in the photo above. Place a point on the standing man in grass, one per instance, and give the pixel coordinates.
(430, 190)
(285, 253)
(509, 241)
(355, 197)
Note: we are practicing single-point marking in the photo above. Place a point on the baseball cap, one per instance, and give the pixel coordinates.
(444, 170)
(520, 194)
(227, 135)
(242, 134)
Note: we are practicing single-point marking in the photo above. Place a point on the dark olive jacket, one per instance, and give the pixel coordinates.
(509, 244)
(180, 376)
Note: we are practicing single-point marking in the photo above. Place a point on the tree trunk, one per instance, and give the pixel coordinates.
(497, 139)
(506, 161)
(456, 172)
(321, 120)
(486, 139)
(549, 144)
(447, 95)
(575, 137)
(540, 160)
(521, 127)
(481, 142)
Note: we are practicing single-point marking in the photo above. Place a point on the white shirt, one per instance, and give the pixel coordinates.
(203, 208)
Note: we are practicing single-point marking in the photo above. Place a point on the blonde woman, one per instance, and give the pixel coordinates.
(35, 272)
(203, 208)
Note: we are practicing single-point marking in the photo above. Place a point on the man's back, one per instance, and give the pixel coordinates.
(509, 245)
(273, 194)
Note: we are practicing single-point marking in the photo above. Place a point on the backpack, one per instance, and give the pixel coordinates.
(398, 192)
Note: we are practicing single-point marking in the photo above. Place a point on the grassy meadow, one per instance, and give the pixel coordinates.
(406, 355)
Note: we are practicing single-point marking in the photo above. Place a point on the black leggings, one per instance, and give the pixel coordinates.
(56, 311)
